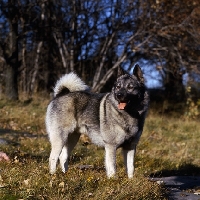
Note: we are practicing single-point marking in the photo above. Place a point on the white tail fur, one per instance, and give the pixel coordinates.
(70, 81)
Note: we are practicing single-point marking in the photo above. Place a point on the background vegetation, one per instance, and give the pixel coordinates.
(40, 40)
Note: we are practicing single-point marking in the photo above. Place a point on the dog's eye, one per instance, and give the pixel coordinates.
(130, 87)
(118, 86)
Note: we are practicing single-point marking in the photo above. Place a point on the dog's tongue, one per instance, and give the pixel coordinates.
(121, 106)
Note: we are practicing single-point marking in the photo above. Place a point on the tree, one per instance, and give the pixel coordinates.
(10, 49)
(93, 38)
(173, 29)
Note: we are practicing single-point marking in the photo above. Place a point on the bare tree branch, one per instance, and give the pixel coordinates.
(103, 53)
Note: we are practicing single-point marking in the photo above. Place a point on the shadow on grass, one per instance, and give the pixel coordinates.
(22, 157)
(186, 169)
(18, 133)
(10, 196)
(9, 137)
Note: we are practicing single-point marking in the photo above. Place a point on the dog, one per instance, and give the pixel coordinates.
(111, 120)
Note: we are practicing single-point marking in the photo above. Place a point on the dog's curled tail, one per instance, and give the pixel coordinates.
(70, 82)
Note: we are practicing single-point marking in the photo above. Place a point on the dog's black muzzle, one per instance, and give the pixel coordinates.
(122, 96)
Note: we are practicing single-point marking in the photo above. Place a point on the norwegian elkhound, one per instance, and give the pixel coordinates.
(110, 120)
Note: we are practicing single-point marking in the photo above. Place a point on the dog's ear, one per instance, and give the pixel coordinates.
(120, 72)
(138, 73)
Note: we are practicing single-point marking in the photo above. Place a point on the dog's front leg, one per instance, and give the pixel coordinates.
(129, 161)
(110, 160)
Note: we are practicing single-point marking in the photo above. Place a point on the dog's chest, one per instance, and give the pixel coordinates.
(127, 124)
(116, 125)
(119, 127)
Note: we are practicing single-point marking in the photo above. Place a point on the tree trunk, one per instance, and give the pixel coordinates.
(103, 54)
(12, 62)
(36, 66)
(174, 88)
(11, 91)
(38, 51)
(23, 58)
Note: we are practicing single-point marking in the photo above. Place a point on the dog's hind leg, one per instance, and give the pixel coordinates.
(56, 148)
(110, 160)
(66, 150)
(64, 158)
(129, 160)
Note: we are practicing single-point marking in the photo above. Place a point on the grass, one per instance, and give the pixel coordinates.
(168, 146)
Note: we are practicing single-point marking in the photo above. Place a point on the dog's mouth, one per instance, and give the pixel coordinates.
(121, 106)
(122, 99)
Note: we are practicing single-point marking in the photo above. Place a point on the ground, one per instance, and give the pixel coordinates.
(167, 159)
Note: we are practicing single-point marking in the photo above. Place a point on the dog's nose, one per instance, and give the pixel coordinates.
(119, 95)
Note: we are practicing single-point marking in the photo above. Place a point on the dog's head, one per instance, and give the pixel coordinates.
(129, 89)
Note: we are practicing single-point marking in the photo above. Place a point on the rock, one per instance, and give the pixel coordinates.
(178, 186)
(3, 142)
